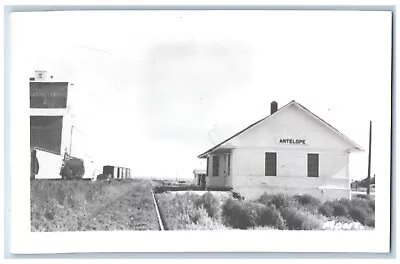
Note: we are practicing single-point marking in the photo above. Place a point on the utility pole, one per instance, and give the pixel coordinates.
(70, 142)
(369, 159)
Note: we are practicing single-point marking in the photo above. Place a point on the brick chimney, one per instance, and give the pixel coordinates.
(274, 107)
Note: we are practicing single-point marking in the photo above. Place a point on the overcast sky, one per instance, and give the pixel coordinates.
(154, 89)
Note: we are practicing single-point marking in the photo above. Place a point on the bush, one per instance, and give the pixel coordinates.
(73, 169)
(334, 208)
(339, 209)
(307, 202)
(363, 203)
(238, 214)
(345, 202)
(188, 211)
(199, 216)
(211, 204)
(201, 221)
(269, 216)
(326, 210)
(363, 211)
(280, 201)
(244, 215)
(357, 209)
(360, 215)
(297, 219)
(306, 199)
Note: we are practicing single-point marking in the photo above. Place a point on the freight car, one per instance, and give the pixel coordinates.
(115, 172)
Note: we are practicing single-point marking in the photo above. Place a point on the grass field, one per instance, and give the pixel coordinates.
(85, 205)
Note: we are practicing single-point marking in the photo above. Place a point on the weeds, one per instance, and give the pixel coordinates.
(300, 212)
(358, 209)
(70, 205)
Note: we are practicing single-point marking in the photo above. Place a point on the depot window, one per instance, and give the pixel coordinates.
(312, 165)
(270, 164)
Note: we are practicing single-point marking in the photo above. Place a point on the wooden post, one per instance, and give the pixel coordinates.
(70, 141)
(369, 159)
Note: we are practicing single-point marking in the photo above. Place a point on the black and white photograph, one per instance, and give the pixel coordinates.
(156, 121)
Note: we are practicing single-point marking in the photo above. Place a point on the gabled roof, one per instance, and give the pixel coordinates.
(356, 146)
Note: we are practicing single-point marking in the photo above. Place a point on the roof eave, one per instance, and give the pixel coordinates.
(359, 149)
(205, 154)
(202, 156)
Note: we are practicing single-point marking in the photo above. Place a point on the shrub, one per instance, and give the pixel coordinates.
(211, 204)
(201, 221)
(362, 203)
(307, 202)
(307, 199)
(280, 201)
(246, 214)
(199, 216)
(269, 216)
(326, 210)
(339, 209)
(297, 219)
(358, 214)
(345, 202)
(335, 208)
(357, 209)
(238, 214)
(363, 211)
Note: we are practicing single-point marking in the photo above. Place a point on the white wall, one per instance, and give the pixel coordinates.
(49, 165)
(290, 163)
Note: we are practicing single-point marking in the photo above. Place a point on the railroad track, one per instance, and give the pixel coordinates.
(122, 213)
(160, 221)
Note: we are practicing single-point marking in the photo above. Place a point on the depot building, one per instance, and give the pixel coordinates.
(291, 151)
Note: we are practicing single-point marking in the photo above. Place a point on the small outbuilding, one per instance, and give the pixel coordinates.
(291, 151)
(200, 177)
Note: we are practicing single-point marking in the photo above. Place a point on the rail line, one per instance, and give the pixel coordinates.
(160, 222)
